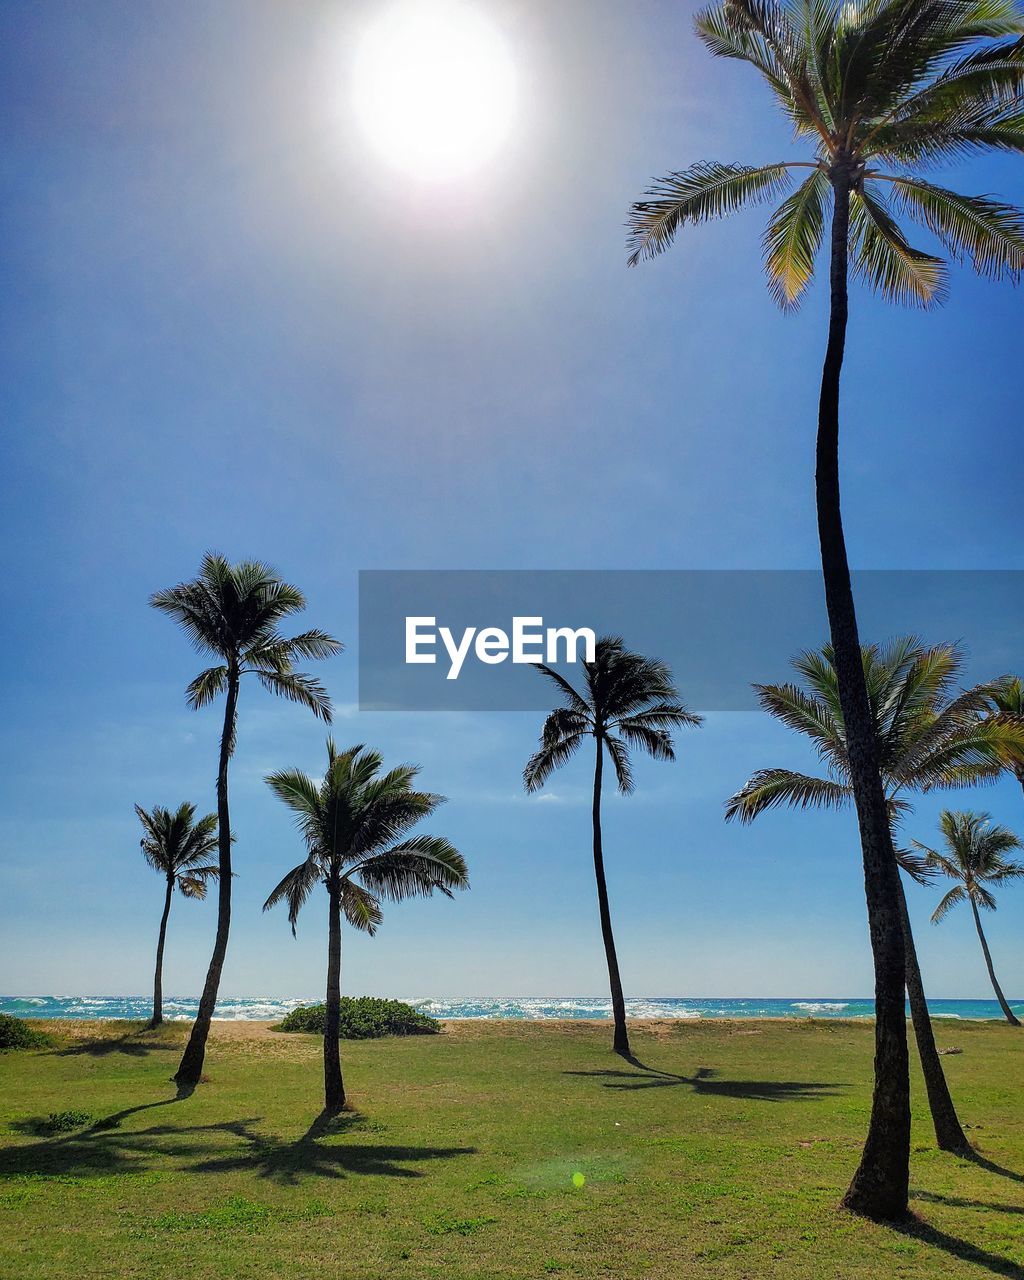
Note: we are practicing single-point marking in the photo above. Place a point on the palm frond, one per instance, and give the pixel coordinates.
(953, 898)
(884, 258)
(544, 762)
(986, 231)
(698, 194)
(619, 754)
(769, 788)
(415, 868)
(206, 686)
(793, 238)
(296, 687)
(295, 888)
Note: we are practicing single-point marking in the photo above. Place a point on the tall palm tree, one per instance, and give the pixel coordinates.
(233, 611)
(627, 701)
(975, 858)
(879, 89)
(177, 846)
(1008, 701)
(354, 824)
(929, 735)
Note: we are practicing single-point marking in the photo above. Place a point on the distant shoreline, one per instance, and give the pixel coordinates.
(538, 1009)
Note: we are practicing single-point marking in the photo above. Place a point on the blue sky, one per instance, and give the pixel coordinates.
(227, 324)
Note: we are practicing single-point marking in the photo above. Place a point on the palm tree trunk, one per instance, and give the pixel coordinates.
(334, 1088)
(1008, 1013)
(880, 1185)
(190, 1069)
(158, 977)
(948, 1133)
(620, 1043)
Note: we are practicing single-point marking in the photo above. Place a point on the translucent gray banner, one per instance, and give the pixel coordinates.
(719, 630)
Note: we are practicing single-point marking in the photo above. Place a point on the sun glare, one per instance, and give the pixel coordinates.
(434, 88)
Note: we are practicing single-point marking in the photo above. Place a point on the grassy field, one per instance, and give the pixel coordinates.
(725, 1158)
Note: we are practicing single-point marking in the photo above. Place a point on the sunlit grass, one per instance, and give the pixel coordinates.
(500, 1149)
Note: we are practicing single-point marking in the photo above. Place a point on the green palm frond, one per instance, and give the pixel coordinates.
(769, 788)
(813, 716)
(360, 908)
(917, 866)
(884, 258)
(415, 868)
(544, 762)
(793, 238)
(619, 756)
(296, 687)
(986, 231)
(698, 194)
(207, 685)
(953, 898)
(295, 888)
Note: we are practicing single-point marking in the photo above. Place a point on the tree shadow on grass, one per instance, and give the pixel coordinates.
(704, 1081)
(991, 1167)
(994, 1263)
(961, 1202)
(105, 1149)
(131, 1043)
(316, 1155)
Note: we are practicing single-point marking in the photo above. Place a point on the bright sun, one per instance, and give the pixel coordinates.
(434, 88)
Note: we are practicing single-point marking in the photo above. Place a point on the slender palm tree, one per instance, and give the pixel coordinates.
(929, 736)
(354, 825)
(627, 701)
(879, 90)
(975, 858)
(233, 611)
(177, 846)
(1008, 701)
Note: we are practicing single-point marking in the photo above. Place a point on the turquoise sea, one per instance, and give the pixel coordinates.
(183, 1008)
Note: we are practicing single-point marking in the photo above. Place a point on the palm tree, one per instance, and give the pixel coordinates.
(176, 845)
(628, 701)
(929, 736)
(879, 89)
(233, 611)
(350, 823)
(1008, 702)
(975, 858)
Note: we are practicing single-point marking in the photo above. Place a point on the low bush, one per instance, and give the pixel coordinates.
(363, 1018)
(16, 1033)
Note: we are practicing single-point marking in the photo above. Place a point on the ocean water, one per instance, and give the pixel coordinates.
(242, 1008)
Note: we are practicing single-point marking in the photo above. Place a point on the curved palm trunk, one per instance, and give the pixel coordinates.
(1008, 1013)
(334, 1088)
(880, 1184)
(190, 1068)
(948, 1133)
(158, 977)
(620, 1043)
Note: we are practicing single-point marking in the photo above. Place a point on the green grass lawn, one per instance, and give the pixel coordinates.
(726, 1158)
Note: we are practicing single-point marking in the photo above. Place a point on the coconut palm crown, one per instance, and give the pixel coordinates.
(353, 823)
(879, 90)
(177, 846)
(930, 735)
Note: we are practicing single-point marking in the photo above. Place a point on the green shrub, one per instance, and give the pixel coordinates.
(15, 1033)
(56, 1122)
(363, 1018)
